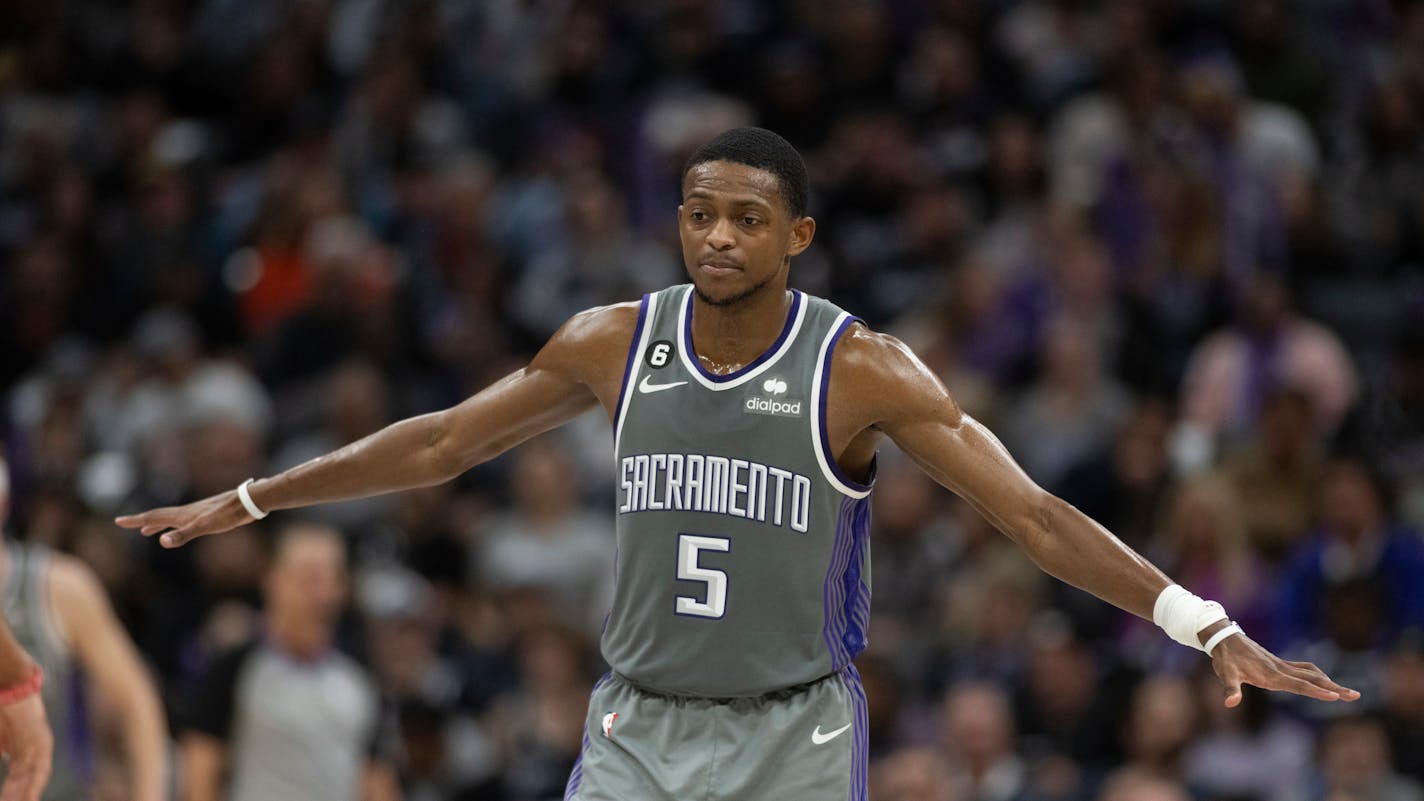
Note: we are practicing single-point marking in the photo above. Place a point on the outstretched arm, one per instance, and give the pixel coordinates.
(911, 406)
(579, 367)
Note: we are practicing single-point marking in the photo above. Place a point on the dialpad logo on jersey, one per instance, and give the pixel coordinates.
(608, 724)
(773, 401)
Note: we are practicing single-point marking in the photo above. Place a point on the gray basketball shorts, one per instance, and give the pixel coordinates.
(802, 744)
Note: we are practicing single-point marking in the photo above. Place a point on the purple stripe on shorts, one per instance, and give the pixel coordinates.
(576, 775)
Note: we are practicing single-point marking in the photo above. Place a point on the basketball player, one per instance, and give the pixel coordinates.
(25, 739)
(62, 616)
(746, 417)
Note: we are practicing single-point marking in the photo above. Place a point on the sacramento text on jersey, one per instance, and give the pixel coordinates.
(696, 482)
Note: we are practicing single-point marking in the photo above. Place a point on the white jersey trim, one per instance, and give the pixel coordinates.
(695, 370)
(818, 413)
(630, 381)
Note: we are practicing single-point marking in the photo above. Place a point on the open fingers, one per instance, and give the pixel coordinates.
(1314, 675)
(178, 537)
(149, 522)
(1297, 684)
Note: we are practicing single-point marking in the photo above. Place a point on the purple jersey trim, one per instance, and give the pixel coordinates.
(821, 414)
(797, 298)
(628, 365)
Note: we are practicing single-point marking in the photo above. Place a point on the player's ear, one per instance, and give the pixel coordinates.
(802, 232)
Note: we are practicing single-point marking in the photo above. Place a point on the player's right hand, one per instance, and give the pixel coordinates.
(183, 524)
(26, 740)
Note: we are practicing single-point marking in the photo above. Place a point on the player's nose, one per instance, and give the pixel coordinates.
(722, 234)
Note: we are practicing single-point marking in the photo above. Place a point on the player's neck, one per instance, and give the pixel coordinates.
(730, 337)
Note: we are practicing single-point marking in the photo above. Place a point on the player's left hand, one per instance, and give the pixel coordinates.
(1240, 660)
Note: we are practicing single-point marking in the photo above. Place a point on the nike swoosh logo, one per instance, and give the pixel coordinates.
(647, 388)
(821, 739)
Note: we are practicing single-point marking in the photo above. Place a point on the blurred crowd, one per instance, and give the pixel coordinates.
(1172, 251)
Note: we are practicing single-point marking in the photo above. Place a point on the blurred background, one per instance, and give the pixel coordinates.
(1172, 251)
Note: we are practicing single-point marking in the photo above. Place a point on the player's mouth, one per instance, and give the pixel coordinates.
(719, 268)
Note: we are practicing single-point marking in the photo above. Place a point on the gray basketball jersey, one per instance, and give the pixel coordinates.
(743, 564)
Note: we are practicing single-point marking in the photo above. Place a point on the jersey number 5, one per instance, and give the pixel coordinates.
(689, 549)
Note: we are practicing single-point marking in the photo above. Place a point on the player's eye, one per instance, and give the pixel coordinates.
(698, 215)
(749, 220)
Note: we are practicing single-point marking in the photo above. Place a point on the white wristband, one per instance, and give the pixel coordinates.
(1216, 638)
(1183, 615)
(247, 503)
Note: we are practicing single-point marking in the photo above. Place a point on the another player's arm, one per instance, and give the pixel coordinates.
(110, 659)
(378, 782)
(580, 366)
(204, 762)
(893, 392)
(25, 738)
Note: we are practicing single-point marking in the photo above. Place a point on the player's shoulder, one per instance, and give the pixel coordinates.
(593, 336)
(604, 321)
(883, 376)
(72, 581)
(76, 596)
(598, 322)
(866, 353)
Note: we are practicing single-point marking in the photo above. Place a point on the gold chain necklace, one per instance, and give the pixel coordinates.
(718, 368)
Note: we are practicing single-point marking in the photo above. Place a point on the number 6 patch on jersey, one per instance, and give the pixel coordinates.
(659, 353)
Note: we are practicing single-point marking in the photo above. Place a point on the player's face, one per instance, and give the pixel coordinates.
(737, 234)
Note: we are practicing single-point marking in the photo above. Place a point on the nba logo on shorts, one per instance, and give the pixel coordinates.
(608, 724)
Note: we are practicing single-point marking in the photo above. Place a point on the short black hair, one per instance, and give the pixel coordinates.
(764, 150)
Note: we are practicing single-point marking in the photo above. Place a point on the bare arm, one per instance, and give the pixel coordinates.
(893, 392)
(578, 368)
(111, 660)
(204, 758)
(378, 782)
(25, 737)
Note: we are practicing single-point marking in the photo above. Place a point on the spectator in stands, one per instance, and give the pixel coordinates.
(1355, 763)
(1072, 411)
(540, 727)
(917, 774)
(1271, 347)
(1357, 541)
(1246, 752)
(1280, 470)
(1404, 705)
(1131, 784)
(1159, 727)
(548, 540)
(978, 739)
(1068, 705)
